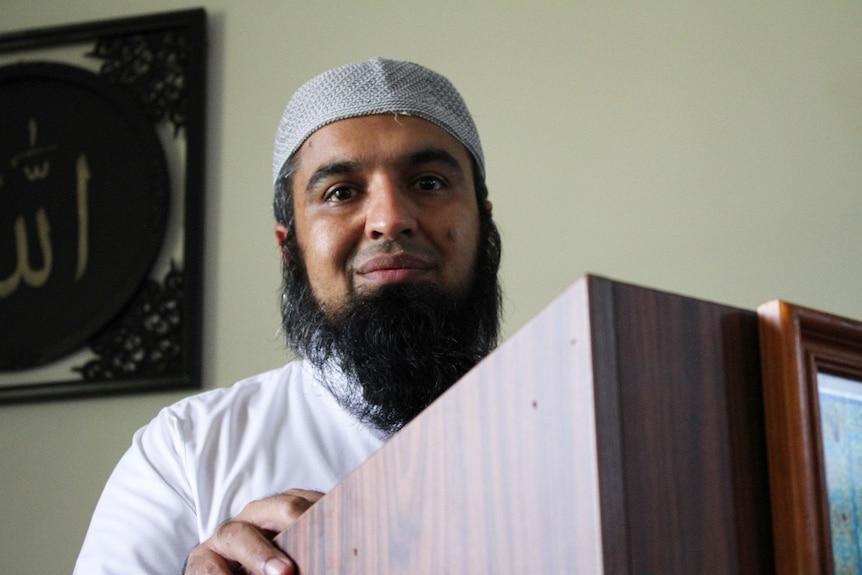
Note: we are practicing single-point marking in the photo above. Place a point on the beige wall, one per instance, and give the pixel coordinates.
(711, 149)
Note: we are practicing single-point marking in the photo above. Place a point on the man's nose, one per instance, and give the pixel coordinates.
(390, 213)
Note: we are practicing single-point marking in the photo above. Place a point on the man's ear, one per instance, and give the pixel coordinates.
(489, 206)
(281, 233)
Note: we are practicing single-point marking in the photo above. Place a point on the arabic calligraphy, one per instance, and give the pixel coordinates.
(35, 164)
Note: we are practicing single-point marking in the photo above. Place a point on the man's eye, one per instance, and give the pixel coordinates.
(429, 183)
(339, 195)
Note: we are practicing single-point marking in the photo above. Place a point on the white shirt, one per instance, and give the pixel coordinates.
(201, 460)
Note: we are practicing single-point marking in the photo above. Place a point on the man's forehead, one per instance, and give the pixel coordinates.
(381, 137)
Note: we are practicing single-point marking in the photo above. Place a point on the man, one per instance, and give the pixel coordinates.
(390, 295)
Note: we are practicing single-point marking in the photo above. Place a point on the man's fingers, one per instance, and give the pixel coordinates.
(238, 539)
(245, 540)
(202, 560)
(275, 514)
(311, 496)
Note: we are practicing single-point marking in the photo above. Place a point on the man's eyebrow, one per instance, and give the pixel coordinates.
(433, 155)
(339, 168)
(415, 158)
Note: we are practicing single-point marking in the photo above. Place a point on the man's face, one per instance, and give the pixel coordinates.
(382, 200)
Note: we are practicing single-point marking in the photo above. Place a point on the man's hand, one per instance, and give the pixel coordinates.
(246, 540)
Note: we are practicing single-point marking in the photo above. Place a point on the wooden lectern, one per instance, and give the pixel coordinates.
(621, 431)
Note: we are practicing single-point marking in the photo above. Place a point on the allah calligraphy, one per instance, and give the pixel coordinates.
(34, 278)
(84, 205)
(35, 165)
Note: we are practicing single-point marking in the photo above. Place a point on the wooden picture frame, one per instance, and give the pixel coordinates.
(152, 68)
(803, 351)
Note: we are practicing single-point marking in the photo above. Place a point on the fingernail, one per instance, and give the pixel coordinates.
(277, 566)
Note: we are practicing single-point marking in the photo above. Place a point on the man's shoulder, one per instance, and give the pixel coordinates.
(285, 405)
(281, 421)
(266, 391)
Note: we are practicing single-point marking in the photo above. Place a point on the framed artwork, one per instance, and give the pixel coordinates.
(812, 384)
(101, 205)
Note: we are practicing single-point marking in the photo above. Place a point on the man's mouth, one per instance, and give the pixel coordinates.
(394, 268)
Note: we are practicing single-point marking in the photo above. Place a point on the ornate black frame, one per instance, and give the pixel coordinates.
(177, 41)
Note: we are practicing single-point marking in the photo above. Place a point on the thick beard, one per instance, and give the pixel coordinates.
(385, 356)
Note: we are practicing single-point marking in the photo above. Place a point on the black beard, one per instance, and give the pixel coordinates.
(387, 355)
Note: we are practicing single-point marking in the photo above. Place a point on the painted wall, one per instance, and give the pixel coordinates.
(710, 149)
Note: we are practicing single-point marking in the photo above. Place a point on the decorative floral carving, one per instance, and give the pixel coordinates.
(146, 340)
(152, 67)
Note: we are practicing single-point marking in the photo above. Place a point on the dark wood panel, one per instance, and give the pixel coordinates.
(696, 488)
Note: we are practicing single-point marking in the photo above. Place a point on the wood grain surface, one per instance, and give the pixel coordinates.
(620, 431)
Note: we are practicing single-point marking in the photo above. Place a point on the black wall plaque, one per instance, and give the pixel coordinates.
(82, 210)
(85, 200)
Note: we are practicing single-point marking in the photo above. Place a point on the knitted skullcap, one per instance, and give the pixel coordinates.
(376, 86)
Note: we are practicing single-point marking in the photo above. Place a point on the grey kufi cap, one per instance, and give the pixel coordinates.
(376, 86)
